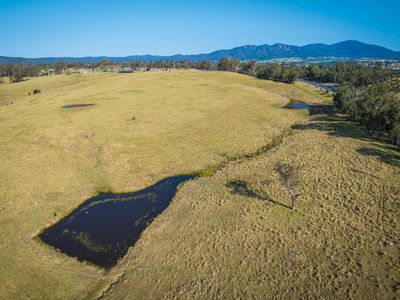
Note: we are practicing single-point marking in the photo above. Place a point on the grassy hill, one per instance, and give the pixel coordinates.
(212, 241)
(232, 236)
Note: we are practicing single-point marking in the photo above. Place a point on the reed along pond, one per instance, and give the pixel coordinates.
(102, 229)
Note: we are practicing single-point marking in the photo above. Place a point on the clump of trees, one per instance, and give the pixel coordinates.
(204, 65)
(17, 72)
(228, 64)
(342, 73)
(59, 67)
(376, 105)
(248, 68)
(348, 73)
(279, 72)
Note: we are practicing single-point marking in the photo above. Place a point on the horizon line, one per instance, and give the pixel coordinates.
(190, 54)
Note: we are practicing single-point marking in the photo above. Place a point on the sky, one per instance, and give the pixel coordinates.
(44, 28)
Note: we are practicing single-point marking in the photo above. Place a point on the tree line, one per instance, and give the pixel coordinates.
(342, 73)
(375, 105)
(17, 72)
(349, 73)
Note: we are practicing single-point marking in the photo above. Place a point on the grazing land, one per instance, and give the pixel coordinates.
(227, 235)
(144, 127)
(232, 235)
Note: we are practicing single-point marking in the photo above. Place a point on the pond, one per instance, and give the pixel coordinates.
(297, 105)
(102, 229)
(78, 105)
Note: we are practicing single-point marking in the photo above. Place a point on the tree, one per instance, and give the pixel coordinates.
(395, 134)
(186, 64)
(379, 107)
(205, 65)
(228, 64)
(17, 73)
(288, 176)
(59, 67)
(270, 71)
(135, 65)
(158, 64)
(347, 99)
(104, 62)
(293, 74)
(248, 68)
(376, 105)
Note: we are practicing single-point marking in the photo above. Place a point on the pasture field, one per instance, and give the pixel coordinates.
(236, 238)
(223, 236)
(52, 159)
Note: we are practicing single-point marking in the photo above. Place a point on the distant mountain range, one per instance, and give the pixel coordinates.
(346, 49)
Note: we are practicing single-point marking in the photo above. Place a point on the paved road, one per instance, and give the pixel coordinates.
(325, 86)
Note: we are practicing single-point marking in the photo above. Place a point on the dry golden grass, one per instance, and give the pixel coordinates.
(53, 159)
(224, 236)
(343, 241)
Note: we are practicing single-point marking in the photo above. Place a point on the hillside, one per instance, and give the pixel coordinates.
(226, 235)
(53, 159)
(232, 236)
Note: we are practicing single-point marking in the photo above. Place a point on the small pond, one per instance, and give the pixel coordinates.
(78, 105)
(297, 105)
(102, 229)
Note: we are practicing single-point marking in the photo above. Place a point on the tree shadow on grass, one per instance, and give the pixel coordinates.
(324, 118)
(385, 156)
(243, 188)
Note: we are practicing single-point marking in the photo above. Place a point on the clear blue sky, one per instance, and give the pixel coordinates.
(119, 28)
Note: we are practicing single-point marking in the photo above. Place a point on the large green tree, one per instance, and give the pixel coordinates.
(228, 64)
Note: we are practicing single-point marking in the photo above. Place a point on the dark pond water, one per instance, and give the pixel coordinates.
(297, 105)
(78, 105)
(103, 228)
